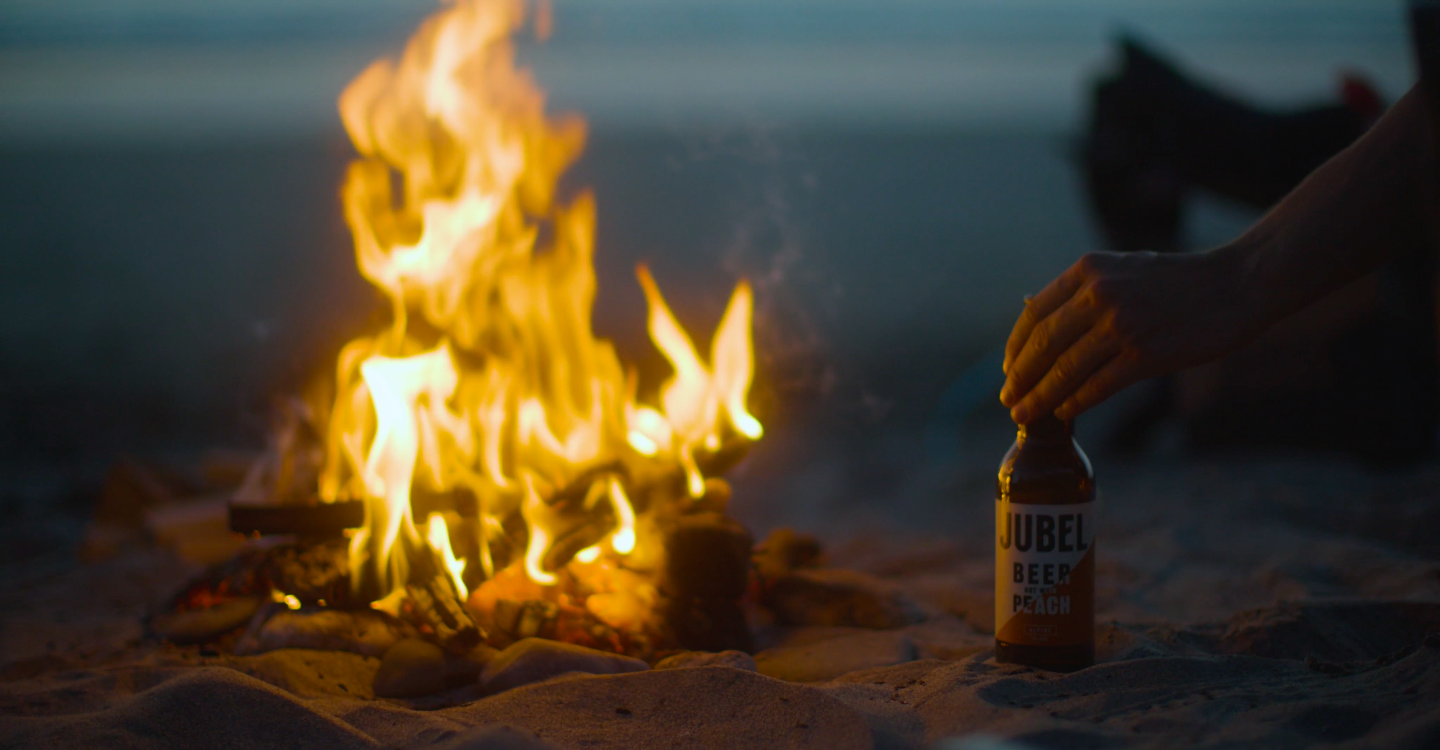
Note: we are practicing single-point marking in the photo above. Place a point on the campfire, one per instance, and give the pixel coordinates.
(482, 468)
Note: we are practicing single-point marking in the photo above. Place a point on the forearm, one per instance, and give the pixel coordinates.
(1113, 319)
(1356, 212)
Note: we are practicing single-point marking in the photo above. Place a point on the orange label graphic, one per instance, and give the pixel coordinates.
(1045, 573)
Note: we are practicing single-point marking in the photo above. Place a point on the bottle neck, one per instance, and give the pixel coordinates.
(1047, 429)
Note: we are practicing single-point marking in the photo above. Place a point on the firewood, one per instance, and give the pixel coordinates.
(314, 571)
(573, 494)
(534, 618)
(435, 602)
(596, 522)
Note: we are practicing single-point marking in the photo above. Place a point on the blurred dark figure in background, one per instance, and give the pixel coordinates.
(1156, 138)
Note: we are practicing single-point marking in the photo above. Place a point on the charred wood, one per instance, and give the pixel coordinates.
(321, 519)
(707, 571)
(435, 602)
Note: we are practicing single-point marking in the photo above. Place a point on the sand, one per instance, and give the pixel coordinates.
(1267, 604)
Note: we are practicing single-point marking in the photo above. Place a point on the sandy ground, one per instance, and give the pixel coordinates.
(1274, 604)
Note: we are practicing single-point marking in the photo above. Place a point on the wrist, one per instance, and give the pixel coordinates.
(1250, 296)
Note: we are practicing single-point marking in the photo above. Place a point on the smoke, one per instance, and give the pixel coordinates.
(769, 242)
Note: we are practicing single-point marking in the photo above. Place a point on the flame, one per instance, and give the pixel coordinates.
(488, 380)
(694, 397)
(438, 536)
(623, 540)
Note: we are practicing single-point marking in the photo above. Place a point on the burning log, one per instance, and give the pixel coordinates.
(314, 572)
(435, 602)
(535, 618)
(452, 625)
(572, 496)
(487, 397)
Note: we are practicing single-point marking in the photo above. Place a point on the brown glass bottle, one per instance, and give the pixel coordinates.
(1045, 528)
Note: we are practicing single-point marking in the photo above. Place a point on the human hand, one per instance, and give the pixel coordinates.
(1114, 319)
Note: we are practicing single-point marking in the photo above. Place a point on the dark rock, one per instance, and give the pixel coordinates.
(707, 555)
(535, 659)
(836, 656)
(200, 625)
(733, 659)
(785, 550)
(466, 669)
(364, 631)
(837, 597)
(411, 668)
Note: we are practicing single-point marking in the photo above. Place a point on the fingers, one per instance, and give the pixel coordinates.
(1069, 373)
(1115, 376)
(1049, 340)
(1039, 307)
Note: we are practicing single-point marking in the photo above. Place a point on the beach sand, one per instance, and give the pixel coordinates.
(1242, 603)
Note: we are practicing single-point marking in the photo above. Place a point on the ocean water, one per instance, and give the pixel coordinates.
(894, 177)
(227, 68)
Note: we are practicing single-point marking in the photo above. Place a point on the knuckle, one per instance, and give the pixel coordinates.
(1064, 370)
(1124, 330)
(1040, 338)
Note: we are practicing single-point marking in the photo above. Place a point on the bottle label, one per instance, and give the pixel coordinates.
(1045, 573)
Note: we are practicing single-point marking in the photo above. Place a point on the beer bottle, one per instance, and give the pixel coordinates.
(1045, 528)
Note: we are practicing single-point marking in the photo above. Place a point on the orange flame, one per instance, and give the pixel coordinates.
(489, 380)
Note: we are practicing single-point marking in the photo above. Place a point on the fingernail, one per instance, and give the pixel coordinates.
(1006, 394)
(1020, 415)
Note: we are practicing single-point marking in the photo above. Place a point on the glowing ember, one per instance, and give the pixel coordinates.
(488, 381)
